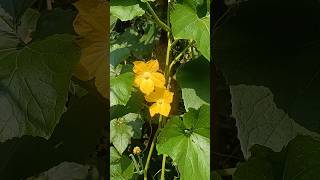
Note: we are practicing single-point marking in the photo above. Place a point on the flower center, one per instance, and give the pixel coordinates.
(160, 102)
(146, 75)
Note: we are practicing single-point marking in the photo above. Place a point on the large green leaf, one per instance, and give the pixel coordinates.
(123, 129)
(300, 160)
(266, 48)
(34, 83)
(125, 10)
(187, 142)
(260, 121)
(186, 24)
(120, 88)
(194, 80)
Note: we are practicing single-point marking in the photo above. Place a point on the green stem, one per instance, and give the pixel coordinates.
(176, 59)
(151, 149)
(163, 168)
(157, 19)
(135, 162)
(208, 6)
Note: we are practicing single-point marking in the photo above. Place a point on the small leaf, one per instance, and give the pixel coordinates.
(187, 142)
(125, 10)
(122, 130)
(120, 88)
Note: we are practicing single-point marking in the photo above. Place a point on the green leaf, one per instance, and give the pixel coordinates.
(34, 83)
(260, 121)
(123, 129)
(194, 80)
(122, 170)
(140, 46)
(65, 170)
(13, 30)
(120, 89)
(249, 50)
(28, 25)
(187, 142)
(300, 160)
(57, 21)
(85, 118)
(125, 10)
(118, 53)
(134, 105)
(16, 8)
(113, 22)
(187, 25)
(114, 155)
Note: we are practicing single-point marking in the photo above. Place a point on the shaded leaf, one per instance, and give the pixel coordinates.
(260, 121)
(194, 80)
(299, 161)
(64, 171)
(34, 83)
(266, 48)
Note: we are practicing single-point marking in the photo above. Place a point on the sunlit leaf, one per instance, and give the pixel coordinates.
(123, 129)
(187, 25)
(187, 142)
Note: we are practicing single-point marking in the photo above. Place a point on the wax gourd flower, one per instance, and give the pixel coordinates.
(147, 77)
(161, 99)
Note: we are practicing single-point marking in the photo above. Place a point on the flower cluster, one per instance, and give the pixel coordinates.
(152, 84)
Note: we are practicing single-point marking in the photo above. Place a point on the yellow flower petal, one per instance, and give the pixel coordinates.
(154, 109)
(152, 65)
(158, 79)
(139, 67)
(156, 95)
(138, 80)
(147, 86)
(165, 109)
(168, 97)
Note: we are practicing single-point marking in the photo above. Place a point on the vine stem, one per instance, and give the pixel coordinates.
(145, 173)
(157, 19)
(163, 167)
(176, 59)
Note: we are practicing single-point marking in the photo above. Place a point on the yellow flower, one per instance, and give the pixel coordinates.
(136, 150)
(147, 76)
(161, 99)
